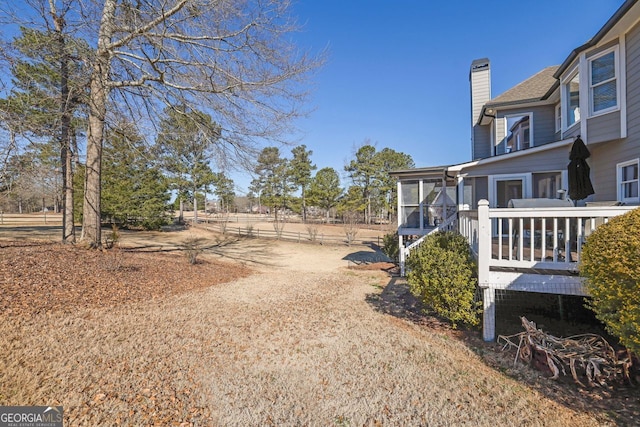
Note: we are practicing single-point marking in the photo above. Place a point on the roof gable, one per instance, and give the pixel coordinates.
(535, 88)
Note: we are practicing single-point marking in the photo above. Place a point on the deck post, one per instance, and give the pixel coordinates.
(489, 314)
(484, 257)
(401, 252)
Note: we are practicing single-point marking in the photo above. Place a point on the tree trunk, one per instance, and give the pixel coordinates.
(304, 206)
(195, 208)
(68, 230)
(91, 233)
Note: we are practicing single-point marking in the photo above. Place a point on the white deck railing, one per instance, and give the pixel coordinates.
(546, 238)
(543, 238)
(528, 249)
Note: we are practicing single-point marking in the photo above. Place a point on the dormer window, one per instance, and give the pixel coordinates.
(603, 86)
(518, 129)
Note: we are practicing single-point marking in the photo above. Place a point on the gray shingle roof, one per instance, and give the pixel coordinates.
(533, 89)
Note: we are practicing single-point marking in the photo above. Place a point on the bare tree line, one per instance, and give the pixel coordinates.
(232, 60)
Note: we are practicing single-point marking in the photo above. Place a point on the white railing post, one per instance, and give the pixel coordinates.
(484, 258)
(402, 255)
(484, 243)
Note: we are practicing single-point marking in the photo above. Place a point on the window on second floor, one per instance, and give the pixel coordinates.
(572, 99)
(518, 128)
(410, 204)
(628, 182)
(603, 82)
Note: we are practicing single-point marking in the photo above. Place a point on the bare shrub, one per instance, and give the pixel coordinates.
(192, 247)
(249, 229)
(278, 226)
(350, 226)
(312, 230)
(113, 259)
(224, 222)
(112, 237)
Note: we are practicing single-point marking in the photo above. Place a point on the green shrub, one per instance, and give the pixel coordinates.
(391, 246)
(610, 263)
(443, 274)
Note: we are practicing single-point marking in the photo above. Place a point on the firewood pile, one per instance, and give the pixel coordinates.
(588, 355)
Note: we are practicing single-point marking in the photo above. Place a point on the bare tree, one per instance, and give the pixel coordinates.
(231, 59)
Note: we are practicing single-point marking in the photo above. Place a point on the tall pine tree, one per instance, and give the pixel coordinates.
(134, 191)
(184, 147)
(300, 170)
(47, 95)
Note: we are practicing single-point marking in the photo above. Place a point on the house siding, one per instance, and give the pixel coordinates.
(633, 83)
(481, 142)
(604, 128)
(544, 122)
(501, 134)
(573, 132)
(606, 156)
(546, 161)
(482, 190)
(480, 92)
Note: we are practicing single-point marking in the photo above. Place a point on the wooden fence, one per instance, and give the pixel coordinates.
(312, 235)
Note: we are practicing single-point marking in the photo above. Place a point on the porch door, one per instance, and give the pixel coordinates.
(507, 190)
(503, 188)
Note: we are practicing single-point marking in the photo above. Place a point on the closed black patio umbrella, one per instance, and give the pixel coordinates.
(579, 181)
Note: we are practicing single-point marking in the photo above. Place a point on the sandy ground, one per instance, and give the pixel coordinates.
(305, 340)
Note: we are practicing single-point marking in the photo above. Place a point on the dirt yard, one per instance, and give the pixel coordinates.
(259, 332)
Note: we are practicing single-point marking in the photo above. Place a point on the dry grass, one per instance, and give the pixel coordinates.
(284, 346)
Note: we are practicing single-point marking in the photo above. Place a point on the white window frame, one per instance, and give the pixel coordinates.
(564, 101)
(616, 78)
(558, 117)
(402, 205)
(620, 183)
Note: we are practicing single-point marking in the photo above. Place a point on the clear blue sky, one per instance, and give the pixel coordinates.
(398, 71)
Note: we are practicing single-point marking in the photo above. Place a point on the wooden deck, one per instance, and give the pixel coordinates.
(513, 255)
